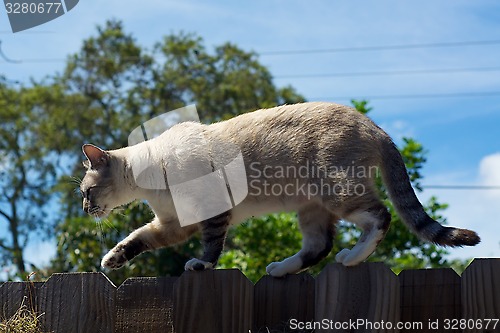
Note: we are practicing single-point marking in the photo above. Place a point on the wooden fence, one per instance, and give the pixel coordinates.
(365, 298)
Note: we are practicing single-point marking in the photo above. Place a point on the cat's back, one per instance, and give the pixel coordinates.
(300, 123)
(296, 115)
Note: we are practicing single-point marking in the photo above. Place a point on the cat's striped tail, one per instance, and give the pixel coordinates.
(402, 195)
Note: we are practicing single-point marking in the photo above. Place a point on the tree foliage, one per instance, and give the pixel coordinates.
(108, 88)
(121, 86)
(27, 172)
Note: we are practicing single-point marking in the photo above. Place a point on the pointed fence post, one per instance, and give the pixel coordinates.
(214, 301)
(145, 305)
(13, 294)
(78, 303)
(279, 300)
(357, 299)
(481, 296)
(430, 297)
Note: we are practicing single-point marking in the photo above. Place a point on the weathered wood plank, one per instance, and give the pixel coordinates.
(277, 301)
(368, 292)
(481, 295)
(78, 303)
(430, 296)
(225, 301)
(214, 301)
(12, 295)
(145, 305)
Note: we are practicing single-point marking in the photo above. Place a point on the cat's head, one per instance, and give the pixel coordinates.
(100, 187)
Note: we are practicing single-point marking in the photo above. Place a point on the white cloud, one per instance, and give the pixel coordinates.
(489, 171)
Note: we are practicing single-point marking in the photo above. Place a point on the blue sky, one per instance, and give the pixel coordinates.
(460, 133)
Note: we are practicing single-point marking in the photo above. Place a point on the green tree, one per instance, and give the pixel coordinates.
(222, 85)
(108, 88)
(113, 85)
(27, 173)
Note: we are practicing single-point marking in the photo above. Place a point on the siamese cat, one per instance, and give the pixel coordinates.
(319, 160)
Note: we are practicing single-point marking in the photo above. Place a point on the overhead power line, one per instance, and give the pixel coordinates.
(382, 47)
(410, 96)
(395, 72)
(461, 187)
(332, 50)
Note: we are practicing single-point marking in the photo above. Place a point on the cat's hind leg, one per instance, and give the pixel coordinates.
(213, 235)
(374, 222)
(317, 225)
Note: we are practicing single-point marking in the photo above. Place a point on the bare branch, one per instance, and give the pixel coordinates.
(5, 247)
(4, 214)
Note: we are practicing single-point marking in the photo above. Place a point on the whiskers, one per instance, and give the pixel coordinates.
(104, 225)
(77, 182)
(101, 232)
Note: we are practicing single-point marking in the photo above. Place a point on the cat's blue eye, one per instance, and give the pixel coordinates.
(86, 193)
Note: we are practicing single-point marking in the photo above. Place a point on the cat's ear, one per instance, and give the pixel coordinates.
(96, 156)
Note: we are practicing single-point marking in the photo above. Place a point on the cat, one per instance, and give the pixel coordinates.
(325, 155)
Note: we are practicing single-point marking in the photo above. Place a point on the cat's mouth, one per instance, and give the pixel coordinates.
(98, 212)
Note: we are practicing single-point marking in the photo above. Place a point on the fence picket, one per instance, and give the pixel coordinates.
(430, 296)
(276, 301)
(481, 295)
(78, 303)
(216, 301)
(145, 305)
(225, 301)
(368, 292)
(13, 294)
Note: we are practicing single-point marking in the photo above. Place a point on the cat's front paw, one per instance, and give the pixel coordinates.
(279, 269)
(275, 269)
(198, 265)
(290, 265)
(115, 258)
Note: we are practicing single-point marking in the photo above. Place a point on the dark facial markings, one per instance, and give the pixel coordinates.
(89, 205)
(86, 194)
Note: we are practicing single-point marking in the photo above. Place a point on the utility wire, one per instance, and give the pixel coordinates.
(461, 187)
(335, 50)
(413, 96)
(395, 72)
(382, 47)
